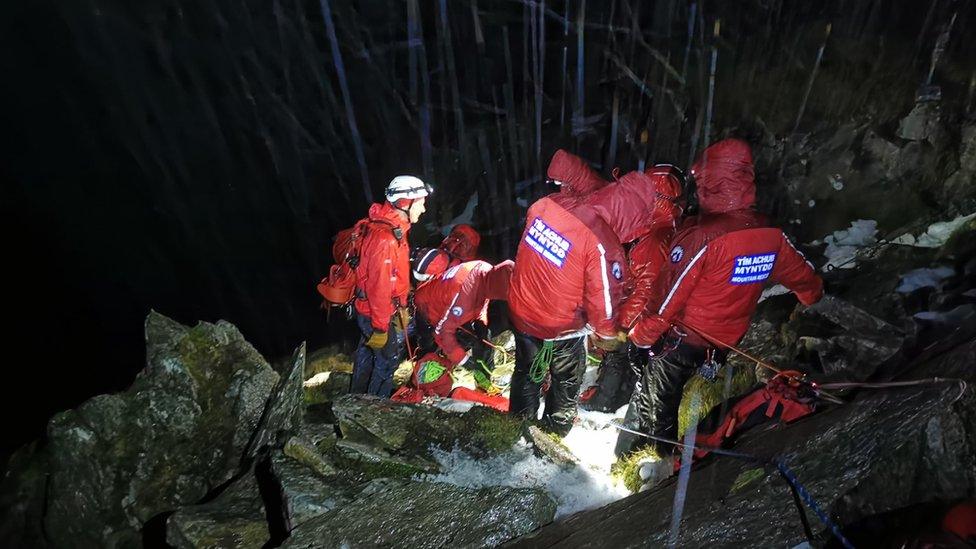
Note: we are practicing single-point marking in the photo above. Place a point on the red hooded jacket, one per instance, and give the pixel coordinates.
(647, 256)
(570, 268)
(461, 244)
(383, 273)
(720, 260)
(575, 175)
(459, 296)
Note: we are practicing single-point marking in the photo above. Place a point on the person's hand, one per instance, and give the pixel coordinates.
(377, 341)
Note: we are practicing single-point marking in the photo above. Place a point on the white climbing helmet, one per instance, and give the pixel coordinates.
(408, 187)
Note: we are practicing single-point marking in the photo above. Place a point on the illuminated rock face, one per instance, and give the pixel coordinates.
(179, 431)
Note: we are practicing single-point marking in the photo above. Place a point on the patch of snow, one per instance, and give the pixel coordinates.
(923, 278)
(954, 317)
(938, 233)
(842, 245)
(574, 488)
(836, 181)
(811, 203)
(522, 202)
(592, 439)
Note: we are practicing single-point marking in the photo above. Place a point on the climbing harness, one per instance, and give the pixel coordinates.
(541, 361)
(780, 465)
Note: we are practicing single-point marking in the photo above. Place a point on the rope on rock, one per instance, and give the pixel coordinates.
(780, 465)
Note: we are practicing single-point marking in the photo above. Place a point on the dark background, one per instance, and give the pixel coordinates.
(197, 157)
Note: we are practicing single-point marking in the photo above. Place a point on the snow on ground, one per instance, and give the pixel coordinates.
(936, 234)
(842, 245)
(922, 278)
(575, 488)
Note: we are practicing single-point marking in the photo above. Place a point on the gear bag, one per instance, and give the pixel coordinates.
(339, 287)
(783, 398)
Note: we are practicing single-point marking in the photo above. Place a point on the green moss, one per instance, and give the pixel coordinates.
(494, 431)
(371, 469)
(961, 243)
(745, 478)
(627, 468)
(305, 454)
(710, 394)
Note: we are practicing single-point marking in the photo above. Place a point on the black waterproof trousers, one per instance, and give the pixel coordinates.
(654, 404)
(616, 379)
(566, 373)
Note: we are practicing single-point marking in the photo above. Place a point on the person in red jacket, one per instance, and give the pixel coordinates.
(645, 258)
(461, 244)
(568, 281)
(711, 283)
(452, 309)
(383, 283)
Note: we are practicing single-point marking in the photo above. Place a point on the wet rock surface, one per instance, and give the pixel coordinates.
(236, 518)
(425, 514)
(882, 451)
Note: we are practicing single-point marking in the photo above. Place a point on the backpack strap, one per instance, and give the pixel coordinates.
(395, 229)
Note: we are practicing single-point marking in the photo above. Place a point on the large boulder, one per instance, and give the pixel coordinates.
(885, 450)
(397, 512)
(385, 438)
(179, 431)
(236, 518)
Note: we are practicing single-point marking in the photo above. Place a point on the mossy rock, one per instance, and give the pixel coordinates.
(236, 518)
(710, 394)
(327, 359)
(181, 430)
(626, 469)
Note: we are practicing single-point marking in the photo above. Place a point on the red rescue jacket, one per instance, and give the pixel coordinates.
(646, 259)
(384, 268)
(576, 176)
(458, 296)
(570, 267)
(720, 260)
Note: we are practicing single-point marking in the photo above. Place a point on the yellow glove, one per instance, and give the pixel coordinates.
(377, 341)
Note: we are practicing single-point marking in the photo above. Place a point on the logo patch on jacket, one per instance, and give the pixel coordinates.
(457, 311)
(547, 242)
(750, 269)
(615, 269)
(677, 253)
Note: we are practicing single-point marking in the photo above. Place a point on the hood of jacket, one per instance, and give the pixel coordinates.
(576, 176)
(637, 203)
(725, 177)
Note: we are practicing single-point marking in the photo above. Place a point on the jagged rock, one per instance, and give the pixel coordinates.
(424, 514)
(181, 430)
(959, 193)
(305, 451)
(284, 410)
(306, 494)
(378, 462)
(548, 445)
(236, 518)
(400, 429)
(923, 123)
(883, 451)
(854, 343)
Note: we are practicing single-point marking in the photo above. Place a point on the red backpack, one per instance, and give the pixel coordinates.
(339, 287)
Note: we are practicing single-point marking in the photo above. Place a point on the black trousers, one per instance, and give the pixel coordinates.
(566, 373)
(654, 404)
(616, 379)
